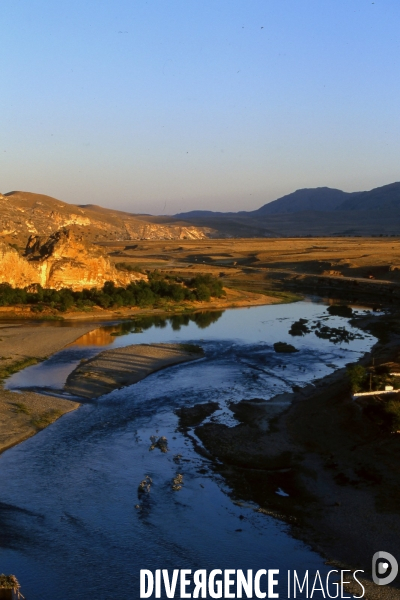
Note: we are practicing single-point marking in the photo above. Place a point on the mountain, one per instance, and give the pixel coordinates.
(385, 198)
(311, 211)
(320, 199)
(24, 213)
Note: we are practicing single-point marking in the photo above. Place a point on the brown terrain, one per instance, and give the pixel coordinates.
(356, 267)
(24, 414)
(113, 369)
(63, 260)
(338, 467)
(24, 213)
(94, 235)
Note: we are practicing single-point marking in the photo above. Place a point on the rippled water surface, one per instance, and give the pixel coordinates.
(69, 526)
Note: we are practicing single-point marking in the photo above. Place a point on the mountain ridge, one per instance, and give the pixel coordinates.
(311, 212)
(305, 212)
(323, 199)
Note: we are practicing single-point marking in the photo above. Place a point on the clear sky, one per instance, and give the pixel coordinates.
(161, 106)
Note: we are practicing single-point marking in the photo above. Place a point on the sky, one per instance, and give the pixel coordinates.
(163, 106)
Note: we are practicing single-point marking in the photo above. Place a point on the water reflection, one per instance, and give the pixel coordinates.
(106, 335)
(79, 478)
(99, 337)
(202, 319)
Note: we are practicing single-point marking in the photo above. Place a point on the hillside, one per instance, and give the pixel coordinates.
(314, 211)
(26, 213)
(321, 199)
(385, 198)
(306, 212)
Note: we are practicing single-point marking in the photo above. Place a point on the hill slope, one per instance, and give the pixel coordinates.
(26, 213)
(320, 199)
(385, 198)
(314, 211)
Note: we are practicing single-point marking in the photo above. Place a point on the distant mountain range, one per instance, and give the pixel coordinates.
(316, 211)
(311, 211)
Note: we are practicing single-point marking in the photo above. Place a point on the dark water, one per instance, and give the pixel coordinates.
(69, 526)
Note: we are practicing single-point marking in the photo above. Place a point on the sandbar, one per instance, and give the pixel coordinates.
(114, 369)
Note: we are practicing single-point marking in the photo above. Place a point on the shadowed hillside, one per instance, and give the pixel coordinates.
(316, 211)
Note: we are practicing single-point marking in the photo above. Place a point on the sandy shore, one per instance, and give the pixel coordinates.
(24, 414)
(340, 471)
(113, 369)
(21, 341)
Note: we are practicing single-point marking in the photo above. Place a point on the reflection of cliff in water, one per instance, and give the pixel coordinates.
(99, 337)
(106, 335)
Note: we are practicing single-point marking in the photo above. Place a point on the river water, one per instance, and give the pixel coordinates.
(69, 528)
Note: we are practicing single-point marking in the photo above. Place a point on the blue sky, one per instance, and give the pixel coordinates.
(160, 106)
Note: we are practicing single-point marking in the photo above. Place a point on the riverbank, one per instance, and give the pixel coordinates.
(321, 465)
(234, 298)
(24, 414)
(114, 369)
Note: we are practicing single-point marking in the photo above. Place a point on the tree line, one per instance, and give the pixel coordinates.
(139, 293)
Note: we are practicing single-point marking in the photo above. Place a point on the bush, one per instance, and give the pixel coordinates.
(357, 376)
(203, 293)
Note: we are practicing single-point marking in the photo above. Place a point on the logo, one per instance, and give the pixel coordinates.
(384, 568)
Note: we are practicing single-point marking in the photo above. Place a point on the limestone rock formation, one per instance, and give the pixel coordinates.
(14, 269)
(62, 260)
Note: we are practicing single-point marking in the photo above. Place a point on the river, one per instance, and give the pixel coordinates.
(69, 526)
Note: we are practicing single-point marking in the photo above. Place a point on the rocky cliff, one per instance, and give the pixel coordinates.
(24, 213)
(62, 260)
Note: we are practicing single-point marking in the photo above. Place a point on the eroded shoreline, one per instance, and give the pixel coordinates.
(339, 473)
(25, 413)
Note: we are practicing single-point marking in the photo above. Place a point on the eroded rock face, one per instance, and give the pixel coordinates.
(14, 269)
(62, 260)
(23, 214)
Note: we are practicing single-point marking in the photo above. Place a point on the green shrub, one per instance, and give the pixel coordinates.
(357, 376)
